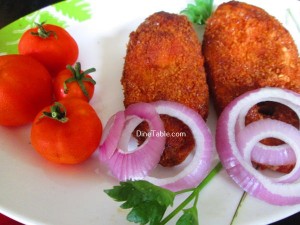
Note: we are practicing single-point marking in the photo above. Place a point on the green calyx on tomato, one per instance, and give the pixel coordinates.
(57, 112)
(42, 32)
(79, 77)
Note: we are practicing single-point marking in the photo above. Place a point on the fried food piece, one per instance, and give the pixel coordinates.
(164, 62)
(245, 48)
(272, 110)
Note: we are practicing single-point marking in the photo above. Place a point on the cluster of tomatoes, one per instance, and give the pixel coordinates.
(40, 87)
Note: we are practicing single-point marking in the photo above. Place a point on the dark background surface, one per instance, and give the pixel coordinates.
(11, 10)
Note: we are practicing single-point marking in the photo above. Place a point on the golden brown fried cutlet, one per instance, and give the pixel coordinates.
(164, 62)
(245, 48)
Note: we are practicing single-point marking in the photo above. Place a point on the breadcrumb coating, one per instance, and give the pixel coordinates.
(164, 62)
(245, 48)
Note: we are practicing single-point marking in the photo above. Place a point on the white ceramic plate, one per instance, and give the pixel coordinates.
(34, 191)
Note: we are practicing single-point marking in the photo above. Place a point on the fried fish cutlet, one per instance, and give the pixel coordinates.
(164, 62)
(245, 48)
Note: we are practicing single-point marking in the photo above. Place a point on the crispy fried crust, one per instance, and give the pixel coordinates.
(245, 48)
(164, 62)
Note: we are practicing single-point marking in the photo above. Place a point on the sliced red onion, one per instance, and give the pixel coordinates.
(111, 135)
(128, 164)
(240, 169)
(258, 130)
(131, 123)
(280, 154)
(197, 169)
(131, 165)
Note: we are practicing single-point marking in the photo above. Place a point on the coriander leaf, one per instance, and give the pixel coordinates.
(152, 192)
(134, 192)
(199, 12)
(147, 212)
(189, 217)
(119, 193)
(126, 193)
(148, 202)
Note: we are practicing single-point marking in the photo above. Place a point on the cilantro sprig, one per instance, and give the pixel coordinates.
(148, 202)
(199, 12)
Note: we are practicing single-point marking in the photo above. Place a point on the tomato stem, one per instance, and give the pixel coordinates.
(42, 32)
(57, 112)
(80, 77)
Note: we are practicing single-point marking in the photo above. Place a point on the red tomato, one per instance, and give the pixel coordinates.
(25, 88)
(67, 132)
(52, 45)
(74, 83)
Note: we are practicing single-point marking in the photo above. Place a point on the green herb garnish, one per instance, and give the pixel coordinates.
(199, 12)
(148, 203)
